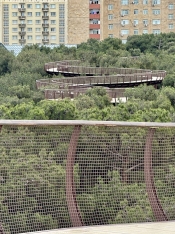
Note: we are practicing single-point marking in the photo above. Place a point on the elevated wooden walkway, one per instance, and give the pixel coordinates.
(79, 78)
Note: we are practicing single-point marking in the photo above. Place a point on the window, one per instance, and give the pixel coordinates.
(53, 14)
(124, 2)
(94, 31)
(38, 37)
(14, 14)
(61, 7)
(61, 30)
(156, 12)
(171, 6)
(14, 37)
(53, 29)
(22, 6)
(6, 7)
(124, 22)
(110, 26)
(170, 16)
(45, 5)
(145, 2)
(156, 21)
(53, 37)
(155, 2)
(29, 21)
(124, 32)
(14, 6)
(136, 22)
(136, 32)
(29, 29)
(156, 31)
(45, 30)
(14, 29)
(37, 6)
(29, 6)
(111, 35)
(135, 2)
(37, 21)
(136, 12)
(6, 23)
(6, 15)
(124, 12)
(29, 37)
(145, 22)
(145, 12)
(6, 30)
(14, 21)
(37, 14)
(38, 29)
(61, 23)
(53, 21)
(52, 6)
(61, 39)
(145, 31)
(110, 17)
(29, 14)
(110, 7)
(170, 26)
(61, 15)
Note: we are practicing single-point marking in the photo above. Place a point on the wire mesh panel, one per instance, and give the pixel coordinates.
(74, 174)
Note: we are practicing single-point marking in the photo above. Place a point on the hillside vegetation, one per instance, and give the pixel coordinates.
(19, 98)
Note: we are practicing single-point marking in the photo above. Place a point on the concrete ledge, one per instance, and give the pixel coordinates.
(137, 228)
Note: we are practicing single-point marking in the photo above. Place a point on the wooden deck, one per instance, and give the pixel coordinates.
(139, 228)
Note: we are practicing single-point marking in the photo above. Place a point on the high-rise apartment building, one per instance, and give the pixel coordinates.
(74, 21)
(33, 22)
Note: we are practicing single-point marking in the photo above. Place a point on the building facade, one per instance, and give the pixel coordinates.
(33, 22)
(74, 21)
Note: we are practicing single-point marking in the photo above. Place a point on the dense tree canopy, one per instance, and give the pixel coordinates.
(18, 75)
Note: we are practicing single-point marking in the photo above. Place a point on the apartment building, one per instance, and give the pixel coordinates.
(123, 18)
(33, 22)
(74, 21)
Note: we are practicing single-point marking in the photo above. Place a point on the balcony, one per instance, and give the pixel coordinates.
(22, 17)
(94, 26)
(21, 9)
(94, 6)
(22, 33)
(45, 17)
(22, 41)
(45, 9)
(94, 16)
(94, 36)
(45, 25)
(22, 25)
(45, 40)
(45, 33)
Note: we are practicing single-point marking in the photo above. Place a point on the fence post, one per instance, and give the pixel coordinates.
(75, 215)
(149, 179)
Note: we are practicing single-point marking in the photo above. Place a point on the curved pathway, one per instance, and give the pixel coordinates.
(79, 78)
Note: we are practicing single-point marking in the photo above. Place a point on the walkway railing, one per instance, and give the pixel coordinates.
(56, 174)
(82, 77)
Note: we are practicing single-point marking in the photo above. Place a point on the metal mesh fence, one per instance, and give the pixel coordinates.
(58, 174)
